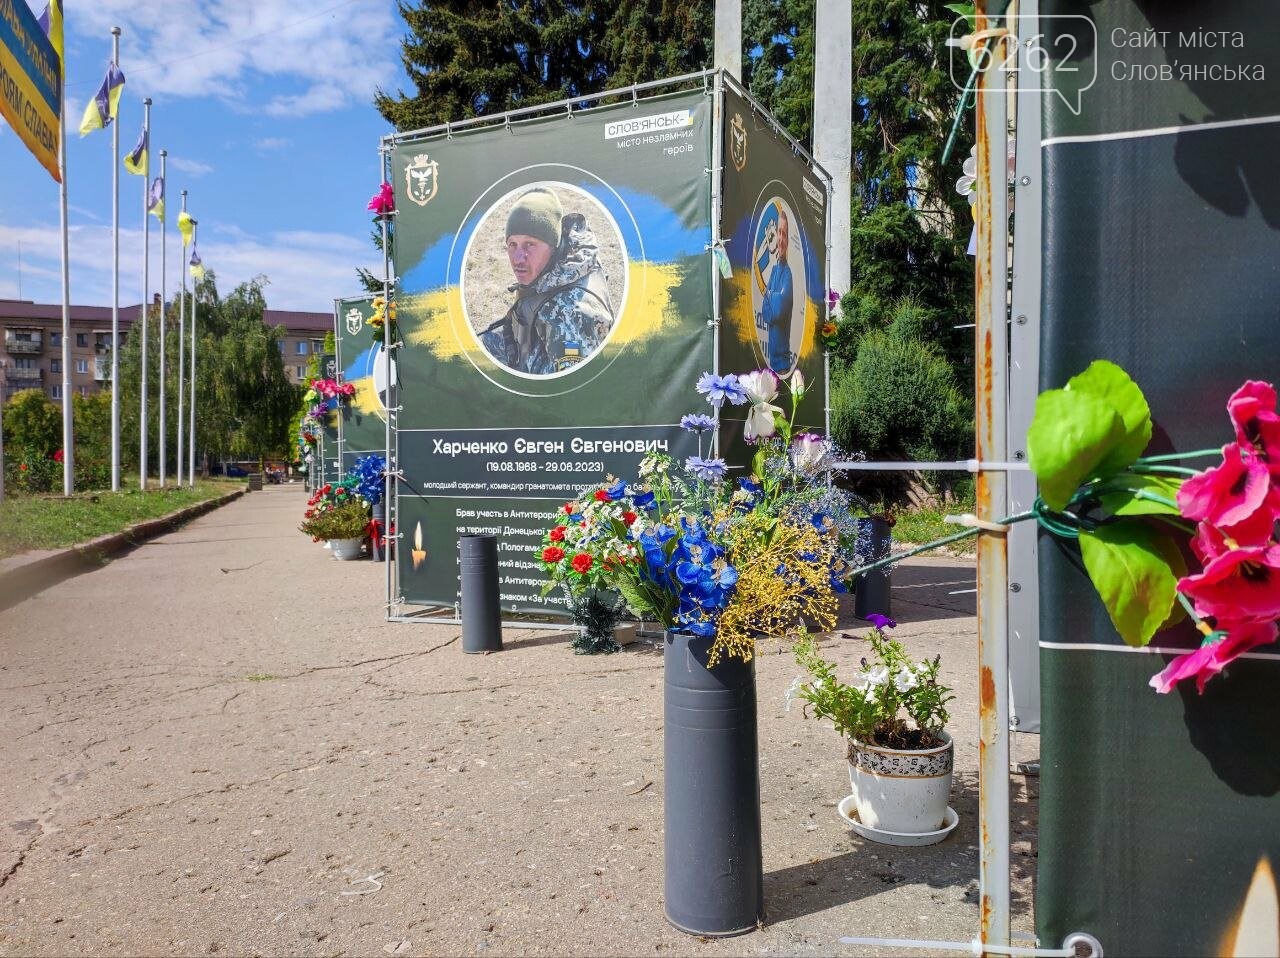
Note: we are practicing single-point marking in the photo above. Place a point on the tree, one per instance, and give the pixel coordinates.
(32, 424)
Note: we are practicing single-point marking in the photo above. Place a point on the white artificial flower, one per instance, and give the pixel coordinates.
(797, 383)
(807, 452)
(761, 386)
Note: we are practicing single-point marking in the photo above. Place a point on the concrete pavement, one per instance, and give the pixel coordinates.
(212, 743)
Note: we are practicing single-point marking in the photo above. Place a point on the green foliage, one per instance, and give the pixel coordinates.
(91, 417)
(330, 342)
(889, 686)
(901, 400)
(778, 70)
(350, 520)
(1135, 570)
(1111, 384)
(32, 424)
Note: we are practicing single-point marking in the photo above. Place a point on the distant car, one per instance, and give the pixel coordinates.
(236, 472)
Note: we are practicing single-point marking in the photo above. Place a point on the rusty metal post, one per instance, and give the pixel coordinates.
(991, 391)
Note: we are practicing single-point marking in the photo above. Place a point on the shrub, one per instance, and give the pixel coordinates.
(29, 472)
(32, 424)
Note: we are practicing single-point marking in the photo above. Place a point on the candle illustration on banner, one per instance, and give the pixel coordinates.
(419, 554)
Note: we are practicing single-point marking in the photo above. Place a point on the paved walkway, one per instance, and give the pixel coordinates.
(211, 742)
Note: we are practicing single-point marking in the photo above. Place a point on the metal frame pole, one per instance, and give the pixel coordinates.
(717, 175)
(389, 477)
(992, 495)
(115, 280)
(68, 408)
(191, 408)
(182, 355)
(163, 326)
(146, 292)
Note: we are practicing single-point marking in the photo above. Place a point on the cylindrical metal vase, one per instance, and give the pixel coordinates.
(714, 868)
(377, 551)
(481, 613)
(871, 589)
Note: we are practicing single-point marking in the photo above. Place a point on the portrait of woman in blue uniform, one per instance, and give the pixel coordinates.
(776, 251)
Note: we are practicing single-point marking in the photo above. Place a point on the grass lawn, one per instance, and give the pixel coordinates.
(52, 522)
(918, 526)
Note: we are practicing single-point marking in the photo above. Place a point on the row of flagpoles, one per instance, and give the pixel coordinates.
(101, 112)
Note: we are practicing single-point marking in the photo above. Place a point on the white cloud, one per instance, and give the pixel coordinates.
(271, 143)
(307, 269)
(201, 48)
(190, 167)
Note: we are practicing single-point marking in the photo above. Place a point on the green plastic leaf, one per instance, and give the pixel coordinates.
(961, 9)
(1109, 382)
(1134, 498)
(1070, 435)
(1135, 570)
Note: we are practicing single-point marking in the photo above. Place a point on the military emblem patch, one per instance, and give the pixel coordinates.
(738, 142)
(422, 179)
(354, 321)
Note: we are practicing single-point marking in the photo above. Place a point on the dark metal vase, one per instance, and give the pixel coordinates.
(377, 544)
(871, 589)
(481, 613)
(711, 803)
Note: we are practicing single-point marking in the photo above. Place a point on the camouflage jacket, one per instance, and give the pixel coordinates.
(563, 316)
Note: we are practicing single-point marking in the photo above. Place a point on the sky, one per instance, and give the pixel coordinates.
(265, 107)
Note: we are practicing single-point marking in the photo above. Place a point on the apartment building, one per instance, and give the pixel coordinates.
(31, 347)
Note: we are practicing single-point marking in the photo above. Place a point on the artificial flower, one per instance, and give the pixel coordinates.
(719, 388)
(708, 470)
(1212, 657)
(828, 330)
(581, 563)
(1252, 409)
(601, 495)
(1227, 494)
(384, 201)
(557, 534)
(1211, 541)
(808, 451)
(552, 554)
(629, 517)
(833, 299)
(1240, 584)
(697, 422)
(797, 383)
(760, 387)
(881, 622)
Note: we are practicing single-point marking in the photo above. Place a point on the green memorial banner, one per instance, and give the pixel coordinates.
(330, 434)
(1159, 813)
(774, 300)
(363, 425)
(555, 303)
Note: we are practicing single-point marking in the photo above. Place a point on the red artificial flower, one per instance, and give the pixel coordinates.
(602, 496)
(309, 513)
(325, 489)
(1252, 408)
(552, 554)
(1208, 660)
(340, 491)
(581, 562)
(1227, 494)
(567, 508)
(629, 517)
(557, 534)
(1239, 585)
(57, 456)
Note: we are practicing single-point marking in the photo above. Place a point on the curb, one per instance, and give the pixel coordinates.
(35, 575)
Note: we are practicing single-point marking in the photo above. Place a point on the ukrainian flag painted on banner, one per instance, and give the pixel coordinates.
(30, 82)
(135, 161)
(105, 105)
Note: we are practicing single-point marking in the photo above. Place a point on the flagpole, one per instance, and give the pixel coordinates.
(146, 292)
(191, 410)
(68, 431)
(115, 281)
(163, 328)
(182, 337)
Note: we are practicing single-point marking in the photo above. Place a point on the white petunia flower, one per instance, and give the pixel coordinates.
(905, 680)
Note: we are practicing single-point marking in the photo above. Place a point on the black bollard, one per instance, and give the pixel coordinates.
(871, 590)
(481, 614)
(711, 802)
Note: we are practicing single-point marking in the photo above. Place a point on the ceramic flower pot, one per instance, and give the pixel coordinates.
(346, 548)
(901, 790)
(714, 875)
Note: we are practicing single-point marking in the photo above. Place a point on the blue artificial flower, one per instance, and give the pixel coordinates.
(881, 622)
(646, 501)
(697, 422)
(838, 586)
(823, 522)
(709, 470)
(616, 491)
(719, 388)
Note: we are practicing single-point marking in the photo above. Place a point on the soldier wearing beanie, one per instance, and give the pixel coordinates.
(561, 312)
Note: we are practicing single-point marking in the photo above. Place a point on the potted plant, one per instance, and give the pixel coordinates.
(893, 718)
(343, 526)
(721, 565)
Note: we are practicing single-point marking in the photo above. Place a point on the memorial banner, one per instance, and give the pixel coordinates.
(330, 447)
(555, 305)
(30, 83)
(774, 300)
(363, 427)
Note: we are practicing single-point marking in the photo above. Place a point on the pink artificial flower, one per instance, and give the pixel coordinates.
(1208, 660)
(1252, 408)
(833, 299)
(384, 201)
(1238, 585)
(1227, 494)
(1210, 541)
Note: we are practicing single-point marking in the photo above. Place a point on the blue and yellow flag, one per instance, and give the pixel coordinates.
(197, 267)
(30, 83)
(155, 199)
(105, 105)
(51, 24)
(186, 226)
(135, 161)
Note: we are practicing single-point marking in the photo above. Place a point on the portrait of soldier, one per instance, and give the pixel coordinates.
(561, 312)
(773, 280)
